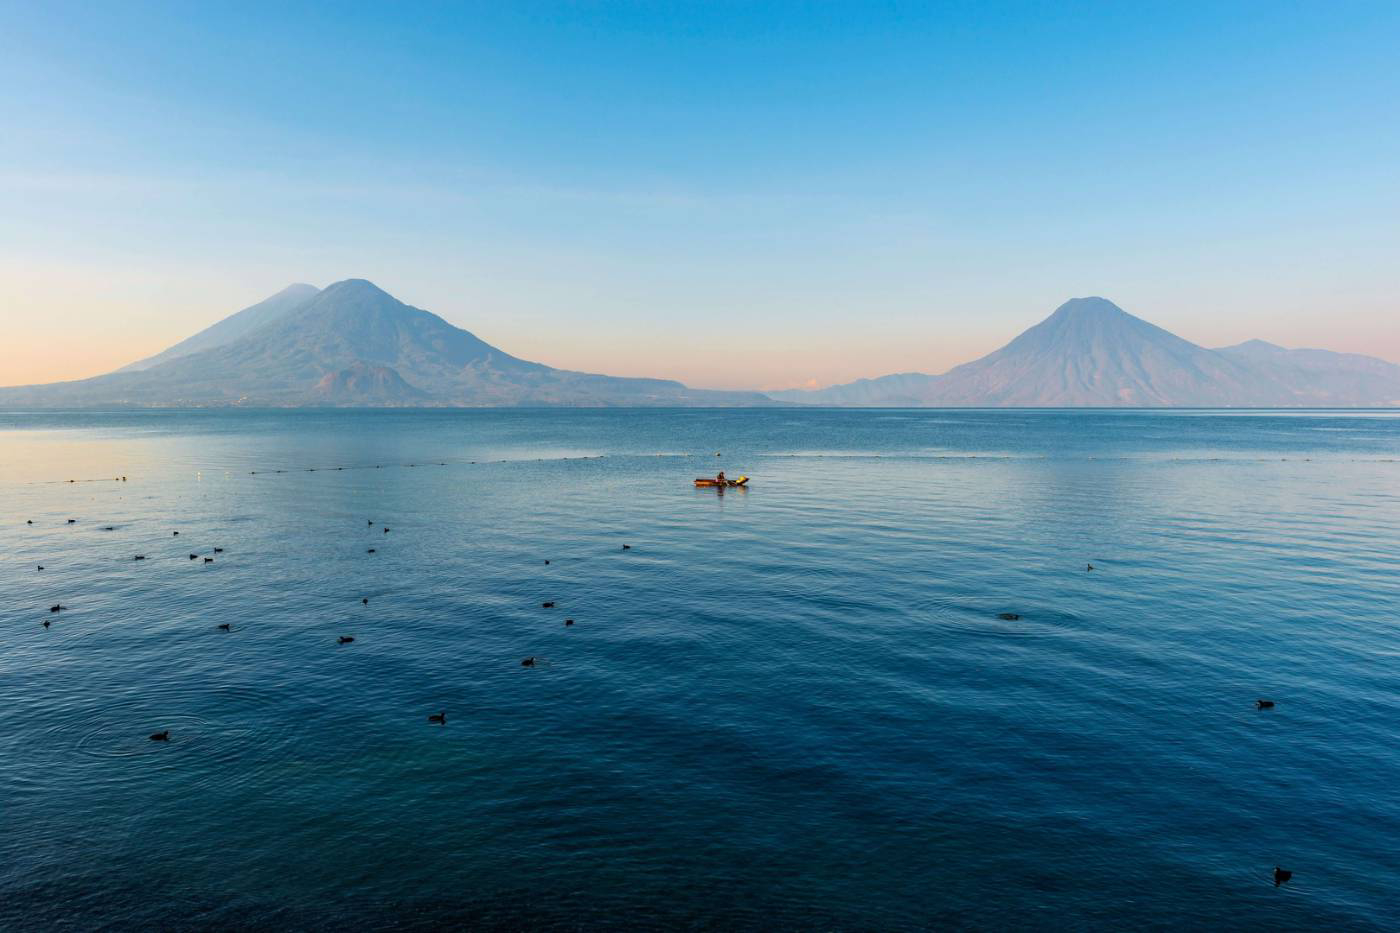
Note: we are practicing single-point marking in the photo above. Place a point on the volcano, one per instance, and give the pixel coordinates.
(1090, 352)
(352, 344)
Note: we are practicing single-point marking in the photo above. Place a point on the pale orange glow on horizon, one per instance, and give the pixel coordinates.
(78, 332)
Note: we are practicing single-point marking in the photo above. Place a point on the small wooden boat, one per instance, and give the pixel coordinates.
(741, 481)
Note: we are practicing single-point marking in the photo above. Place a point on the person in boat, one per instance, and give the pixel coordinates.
(720, 478)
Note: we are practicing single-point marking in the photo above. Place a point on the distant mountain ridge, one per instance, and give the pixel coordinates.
(352, 344)
(1090, 352)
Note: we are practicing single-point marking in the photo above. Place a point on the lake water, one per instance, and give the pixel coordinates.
(788, 706)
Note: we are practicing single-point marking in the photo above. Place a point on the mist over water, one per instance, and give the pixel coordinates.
(792, 705)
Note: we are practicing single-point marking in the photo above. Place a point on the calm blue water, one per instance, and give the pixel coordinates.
(793, 706)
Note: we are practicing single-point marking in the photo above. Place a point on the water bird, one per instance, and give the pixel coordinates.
(139, 557)
(110, 528)
(29, 521)
(546, 605)
(365, 601)
(528, 662)
(194, 557)
(1008, 616)
(386, 531)
(72, 521)
(568, 621)
(439, 718)
(1088, 567)
(56, 607)
(345, 639)
(224, 627)
(1281, 876)
(174, 532)
(370, 551)
(47, 623)
(627, 547)
(218, 550)
(546, 563)
(1263, 704)
(161, 736)
(209, 560)
(371, 521)
(41, 566)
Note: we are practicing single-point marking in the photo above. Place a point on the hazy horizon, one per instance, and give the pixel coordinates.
(303, 290)
(730, 196)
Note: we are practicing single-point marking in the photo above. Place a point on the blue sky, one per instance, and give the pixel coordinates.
(738, 194)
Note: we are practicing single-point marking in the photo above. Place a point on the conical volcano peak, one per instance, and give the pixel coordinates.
(356, 288)
(1080, 321)
(1090, 307)
(276, 307)
(357, 303)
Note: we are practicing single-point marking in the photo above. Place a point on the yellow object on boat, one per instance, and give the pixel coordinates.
(741, 481)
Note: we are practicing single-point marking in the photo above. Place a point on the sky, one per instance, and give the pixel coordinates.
(736, 195)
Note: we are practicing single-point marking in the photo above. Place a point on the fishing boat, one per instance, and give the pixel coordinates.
(710, 481)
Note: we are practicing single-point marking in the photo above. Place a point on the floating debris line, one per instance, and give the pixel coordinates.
(835, 455)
